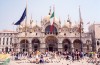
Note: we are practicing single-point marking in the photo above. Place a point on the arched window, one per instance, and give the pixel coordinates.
(7, 41)
(10, 41)
(64, 34)
(98, 43)
(49, 28)
(3, 41)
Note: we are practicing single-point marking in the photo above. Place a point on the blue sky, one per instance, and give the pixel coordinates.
(11, 11)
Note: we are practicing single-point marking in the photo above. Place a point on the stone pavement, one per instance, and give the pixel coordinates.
(55, 62)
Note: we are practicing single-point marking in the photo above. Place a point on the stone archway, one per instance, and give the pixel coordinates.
(66, 45)
(24, 45)
(51, 43)
(99, 50)
(88, 45)
(77, 45)
(35, 44)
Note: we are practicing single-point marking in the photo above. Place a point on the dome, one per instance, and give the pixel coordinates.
(36, 28)
(47, 19)
(56, 21)
(66, 24)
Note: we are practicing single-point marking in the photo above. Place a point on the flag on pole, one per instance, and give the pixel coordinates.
(69, 22)
(22, 18)
(52, 22)
(52, 15)
(51, 18)
(51, 27)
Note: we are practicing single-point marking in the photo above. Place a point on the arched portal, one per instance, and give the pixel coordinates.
(66, 45)
(35, 44)
(77, 45)
(24, 45)
(99, 50)
(51, 43)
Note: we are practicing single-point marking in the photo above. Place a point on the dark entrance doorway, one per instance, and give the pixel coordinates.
(24, 46)
(51, 43)
(10, 49)
(77, 45)
(35, 44)
(35, 47)
(51, 47)
(66, 45)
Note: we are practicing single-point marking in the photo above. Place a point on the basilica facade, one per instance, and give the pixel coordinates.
(31, 37)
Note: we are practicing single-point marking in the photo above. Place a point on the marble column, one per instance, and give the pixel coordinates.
(30, 47)
(72, 47)
(18, 47)
(60, 47)
(42, 47)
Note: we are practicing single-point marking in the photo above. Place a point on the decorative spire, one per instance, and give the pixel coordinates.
(36, 22)
(68, 20)
(50, 11)
(64, 22)
(31, 20)
(41, 20)
(59, 21)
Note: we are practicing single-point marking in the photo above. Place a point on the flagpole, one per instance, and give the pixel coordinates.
(12, 48)
(80, 28)
(54, 18)
(25, 25)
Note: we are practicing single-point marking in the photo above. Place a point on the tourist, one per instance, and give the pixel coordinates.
(41, 59)
(73, 56)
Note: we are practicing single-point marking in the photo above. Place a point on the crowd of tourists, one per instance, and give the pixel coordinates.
(47, 56)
